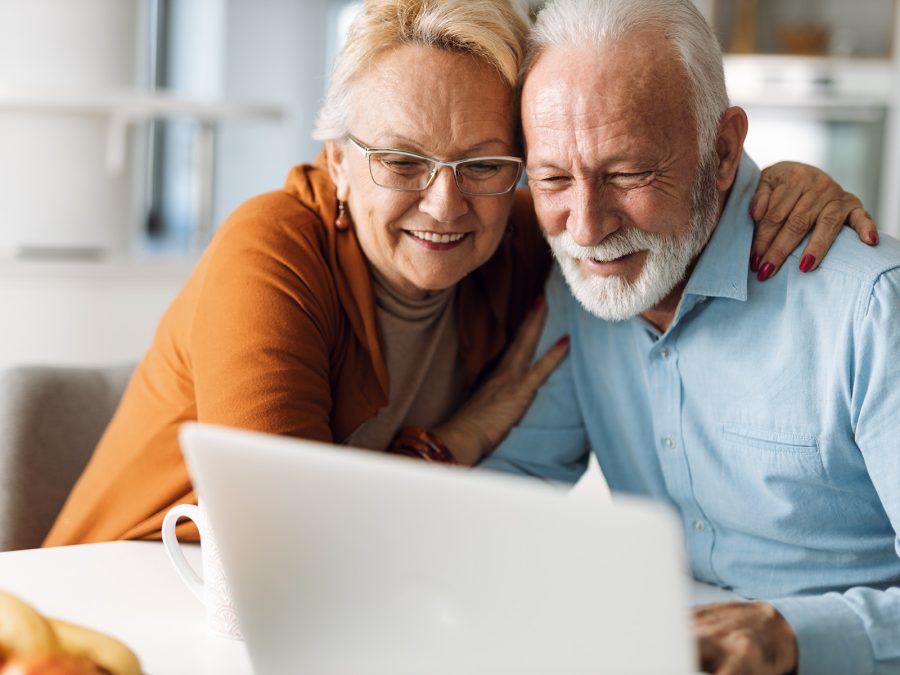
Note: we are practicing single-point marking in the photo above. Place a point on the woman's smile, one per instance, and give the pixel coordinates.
(437, 241)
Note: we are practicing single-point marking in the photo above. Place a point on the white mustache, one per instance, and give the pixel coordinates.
(615, 246)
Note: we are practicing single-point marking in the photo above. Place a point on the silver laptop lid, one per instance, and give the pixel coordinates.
(344, 561)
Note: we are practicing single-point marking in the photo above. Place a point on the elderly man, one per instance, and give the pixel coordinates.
(769, 418)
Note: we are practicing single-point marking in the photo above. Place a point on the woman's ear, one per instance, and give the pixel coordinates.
(337, 169)
(730, 145)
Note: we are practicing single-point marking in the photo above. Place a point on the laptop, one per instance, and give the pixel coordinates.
(351, 562)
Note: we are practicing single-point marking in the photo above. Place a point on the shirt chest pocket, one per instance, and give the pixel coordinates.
(772, 456)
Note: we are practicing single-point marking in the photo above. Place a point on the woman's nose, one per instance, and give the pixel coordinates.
(442, 200)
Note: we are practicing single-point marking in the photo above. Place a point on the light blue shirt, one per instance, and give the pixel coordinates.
(767, 415)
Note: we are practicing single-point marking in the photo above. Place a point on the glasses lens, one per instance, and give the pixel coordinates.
(400, 172)
(487, 176)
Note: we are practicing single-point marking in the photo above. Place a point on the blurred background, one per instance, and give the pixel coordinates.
(129, 129)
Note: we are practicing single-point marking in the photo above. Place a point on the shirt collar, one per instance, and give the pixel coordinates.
(721, 270)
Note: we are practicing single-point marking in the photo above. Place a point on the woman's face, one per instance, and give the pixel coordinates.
(446, 106)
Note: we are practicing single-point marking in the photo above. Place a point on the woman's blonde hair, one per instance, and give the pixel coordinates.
(493, 30)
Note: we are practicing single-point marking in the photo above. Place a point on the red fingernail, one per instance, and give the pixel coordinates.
(807, 262)
(538, 303)
(766, 271)
(562, 342)
(873, 238)
(754, 262)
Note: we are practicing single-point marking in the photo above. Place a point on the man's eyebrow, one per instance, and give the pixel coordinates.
(608, 162)
(542, 164)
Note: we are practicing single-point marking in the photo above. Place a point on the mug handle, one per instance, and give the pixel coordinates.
(173, 547)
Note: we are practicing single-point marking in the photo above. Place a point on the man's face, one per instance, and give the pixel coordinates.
(614, 168)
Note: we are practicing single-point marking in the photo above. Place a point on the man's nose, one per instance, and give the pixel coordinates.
(442, 199)
(592, 216)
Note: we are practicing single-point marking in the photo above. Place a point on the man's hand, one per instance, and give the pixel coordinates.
(744, 638)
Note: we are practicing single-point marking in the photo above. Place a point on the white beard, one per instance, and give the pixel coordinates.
(668, 256)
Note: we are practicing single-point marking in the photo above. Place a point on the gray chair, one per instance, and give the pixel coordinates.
(50, 421)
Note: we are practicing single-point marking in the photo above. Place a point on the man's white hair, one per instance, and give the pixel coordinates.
(599, 23)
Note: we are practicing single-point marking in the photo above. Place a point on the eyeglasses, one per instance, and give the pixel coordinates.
(411, 172)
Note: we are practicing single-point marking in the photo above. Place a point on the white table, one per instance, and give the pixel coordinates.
(130, 590)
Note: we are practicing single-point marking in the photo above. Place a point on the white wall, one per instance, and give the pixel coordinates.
(890, 185)
(81, 313)
(56, 189)
(271, 51)
(276, 54)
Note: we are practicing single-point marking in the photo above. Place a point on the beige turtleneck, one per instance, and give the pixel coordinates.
(421, 348)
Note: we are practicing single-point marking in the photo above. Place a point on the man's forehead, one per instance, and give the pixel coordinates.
(585, 107)
(586, 86)
(628, 64)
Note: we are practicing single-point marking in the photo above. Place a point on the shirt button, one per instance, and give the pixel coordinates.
(699, 525)
(664, 353)
(668, 442)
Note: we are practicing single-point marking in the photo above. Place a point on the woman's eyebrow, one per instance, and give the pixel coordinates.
(405, 142)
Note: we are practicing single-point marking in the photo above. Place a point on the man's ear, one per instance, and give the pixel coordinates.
(337, 168)
(729, 145)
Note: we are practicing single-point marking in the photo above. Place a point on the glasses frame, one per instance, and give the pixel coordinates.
(437, 165)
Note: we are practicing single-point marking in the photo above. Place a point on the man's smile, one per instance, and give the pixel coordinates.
(615, 267)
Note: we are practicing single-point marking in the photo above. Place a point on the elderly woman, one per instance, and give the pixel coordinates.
(374, 295)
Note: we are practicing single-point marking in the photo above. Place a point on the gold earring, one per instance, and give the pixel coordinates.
(342, 222)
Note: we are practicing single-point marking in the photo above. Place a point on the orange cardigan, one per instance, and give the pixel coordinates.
(275, 331)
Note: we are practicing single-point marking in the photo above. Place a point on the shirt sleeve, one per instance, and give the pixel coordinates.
(858, 631)
(550, 442)
(261, 336)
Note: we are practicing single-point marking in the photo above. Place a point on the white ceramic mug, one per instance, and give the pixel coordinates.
(212, 588)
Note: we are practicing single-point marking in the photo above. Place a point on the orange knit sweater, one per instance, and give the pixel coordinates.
(275, 331)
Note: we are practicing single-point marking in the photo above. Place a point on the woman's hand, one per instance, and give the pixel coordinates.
(501, 401)
(793, 198)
